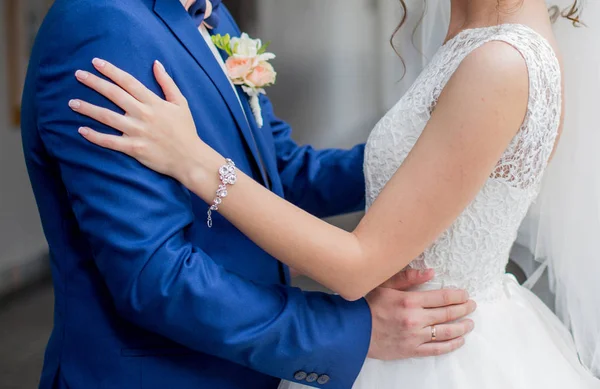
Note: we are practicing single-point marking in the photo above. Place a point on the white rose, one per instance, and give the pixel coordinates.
(245, 46)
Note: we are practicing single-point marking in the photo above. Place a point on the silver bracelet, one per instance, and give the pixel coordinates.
(228, 176)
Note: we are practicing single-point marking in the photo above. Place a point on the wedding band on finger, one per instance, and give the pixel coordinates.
(444, 332)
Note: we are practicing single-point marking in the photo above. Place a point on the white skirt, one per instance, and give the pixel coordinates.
(517, 343)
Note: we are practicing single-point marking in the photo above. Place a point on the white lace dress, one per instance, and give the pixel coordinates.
(517, 341)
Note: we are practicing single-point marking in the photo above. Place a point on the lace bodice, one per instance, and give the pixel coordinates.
(474, 251)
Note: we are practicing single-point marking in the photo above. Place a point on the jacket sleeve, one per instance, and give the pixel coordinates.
(325, 182)
(135, 223)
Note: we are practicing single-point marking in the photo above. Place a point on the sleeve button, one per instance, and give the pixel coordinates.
(300, 375)
(312, 377)
(322, 380)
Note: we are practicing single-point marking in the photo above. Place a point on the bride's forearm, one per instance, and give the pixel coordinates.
(325, 253)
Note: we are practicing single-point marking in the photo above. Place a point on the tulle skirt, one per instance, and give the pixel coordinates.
(518, 343)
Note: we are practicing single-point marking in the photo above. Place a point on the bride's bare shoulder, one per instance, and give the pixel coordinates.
(492, 78)
(494, 62)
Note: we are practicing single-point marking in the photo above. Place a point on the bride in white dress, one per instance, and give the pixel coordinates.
(451, 171)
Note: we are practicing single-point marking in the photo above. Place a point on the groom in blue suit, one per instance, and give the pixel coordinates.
(146, 295)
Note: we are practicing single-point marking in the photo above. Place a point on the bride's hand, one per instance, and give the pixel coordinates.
(159, 133)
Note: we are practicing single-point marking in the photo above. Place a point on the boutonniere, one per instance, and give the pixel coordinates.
(248, 66)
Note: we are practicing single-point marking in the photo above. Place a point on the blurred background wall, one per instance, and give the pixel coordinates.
(338, 73)
(22, 244)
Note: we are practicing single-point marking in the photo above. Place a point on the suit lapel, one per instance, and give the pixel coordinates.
(270, 163)
(182, 26)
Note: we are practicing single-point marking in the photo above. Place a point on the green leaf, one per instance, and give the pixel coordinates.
(227, 44)
(264, 47)
(223, 43)
(218, 41)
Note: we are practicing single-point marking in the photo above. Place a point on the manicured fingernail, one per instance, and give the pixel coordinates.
(99, 63)
(83, 130)
(74, 104)
(160, 66)
(471, 326)
(81, 75)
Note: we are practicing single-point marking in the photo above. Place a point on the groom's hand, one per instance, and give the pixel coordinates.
(403, 321)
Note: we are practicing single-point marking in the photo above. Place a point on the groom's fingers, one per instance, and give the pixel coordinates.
(437, 316)
(444, 332)
(408, 278)
(443, 297)
(439, 348)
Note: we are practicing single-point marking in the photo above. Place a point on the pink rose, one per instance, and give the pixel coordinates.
(262, 75)
(238, 67)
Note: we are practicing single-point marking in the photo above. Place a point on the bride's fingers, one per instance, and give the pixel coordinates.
(109, 90)
(170, 89)
(105, 116)
(440, 348)
(126, 81)
(113, 142)
(450, 313)
(444, 332)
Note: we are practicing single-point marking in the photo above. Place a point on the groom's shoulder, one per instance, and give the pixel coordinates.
(93, 17)
(73, 8)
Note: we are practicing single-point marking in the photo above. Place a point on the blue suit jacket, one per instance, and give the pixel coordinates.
(146, 295)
